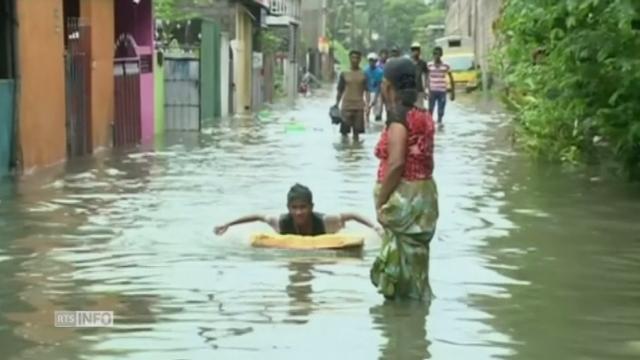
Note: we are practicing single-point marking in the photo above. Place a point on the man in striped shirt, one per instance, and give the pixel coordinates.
(437, 85)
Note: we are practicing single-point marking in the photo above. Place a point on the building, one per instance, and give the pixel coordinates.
(250, 18)
(475, 19)
(318, 55)
(61, 66)
(284, 18)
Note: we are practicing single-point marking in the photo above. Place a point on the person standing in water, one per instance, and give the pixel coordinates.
(300, 219)
(384, 56)
(406, 197)
(421, 74)
(437, 85)
(354, 95)
(374, 76)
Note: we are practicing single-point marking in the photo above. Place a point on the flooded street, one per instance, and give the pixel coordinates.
(530, 261)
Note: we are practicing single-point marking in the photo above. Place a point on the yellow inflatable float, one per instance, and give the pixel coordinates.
(297, 242)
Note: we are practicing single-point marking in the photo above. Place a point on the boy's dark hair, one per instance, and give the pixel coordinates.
(355, 52)
(299, 192)
(438, 48)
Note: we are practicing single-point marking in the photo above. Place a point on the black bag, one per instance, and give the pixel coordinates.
(334, 113)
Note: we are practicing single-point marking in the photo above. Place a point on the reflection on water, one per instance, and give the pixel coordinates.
(403, 325)
(529, 261)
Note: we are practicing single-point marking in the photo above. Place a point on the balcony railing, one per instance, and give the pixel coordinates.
(289, 8)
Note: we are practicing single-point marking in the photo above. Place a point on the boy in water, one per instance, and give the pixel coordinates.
(374, 75)
(301, 219)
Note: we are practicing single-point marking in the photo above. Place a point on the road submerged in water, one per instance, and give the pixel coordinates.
(530, 261)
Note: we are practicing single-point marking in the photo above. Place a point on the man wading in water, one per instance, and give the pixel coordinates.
(355, 97)
(438, 71)
(421, 74)
(301, 219)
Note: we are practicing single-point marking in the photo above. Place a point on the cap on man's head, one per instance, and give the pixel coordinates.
(415, 45)
(372, 56)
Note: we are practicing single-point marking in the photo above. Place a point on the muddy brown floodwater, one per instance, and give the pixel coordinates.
(530, 261)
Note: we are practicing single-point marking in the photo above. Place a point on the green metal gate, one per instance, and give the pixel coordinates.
(210, 72)
(8, 70)
(6, 124)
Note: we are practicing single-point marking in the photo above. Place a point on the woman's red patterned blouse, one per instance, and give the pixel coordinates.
(419, 154)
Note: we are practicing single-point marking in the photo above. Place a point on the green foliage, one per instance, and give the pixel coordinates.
(270, 42)
(401, 17)
(434, 16)
(170, 10)
(582, 89)
(396, 22)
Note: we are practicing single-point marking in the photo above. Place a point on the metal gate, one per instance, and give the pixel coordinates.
(126, 126)
(182, 92)
(210, 71)
(78, 87)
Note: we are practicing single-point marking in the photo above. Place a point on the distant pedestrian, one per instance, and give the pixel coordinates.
(375, 75)
(354, 95)
(384, 56)
(437, 85)
(421, 73)
(395, 53)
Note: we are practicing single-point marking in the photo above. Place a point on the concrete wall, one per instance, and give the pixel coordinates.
(243, 60)
(224, 75)
(474, 18)
(147, 97)
(100, 14)
(42, 138)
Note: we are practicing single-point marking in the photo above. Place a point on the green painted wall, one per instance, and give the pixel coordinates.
(210, 72)
(6, 124)
(159, 96)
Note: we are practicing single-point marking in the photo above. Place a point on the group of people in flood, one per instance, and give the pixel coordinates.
(361, 91)
(405, 194)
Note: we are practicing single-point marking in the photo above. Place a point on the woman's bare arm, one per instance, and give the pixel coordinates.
(397, 150)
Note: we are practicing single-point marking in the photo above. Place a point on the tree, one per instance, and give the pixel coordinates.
(401, 15)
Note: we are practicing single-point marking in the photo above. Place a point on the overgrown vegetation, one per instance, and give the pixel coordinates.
(374, 24)
(572, 71)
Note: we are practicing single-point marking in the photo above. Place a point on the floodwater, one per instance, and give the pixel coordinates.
(530, 261)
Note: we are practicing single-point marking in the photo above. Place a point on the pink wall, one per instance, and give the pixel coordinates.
(135, 19)
(147, 106)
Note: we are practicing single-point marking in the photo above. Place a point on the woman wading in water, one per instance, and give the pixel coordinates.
(406, 197)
